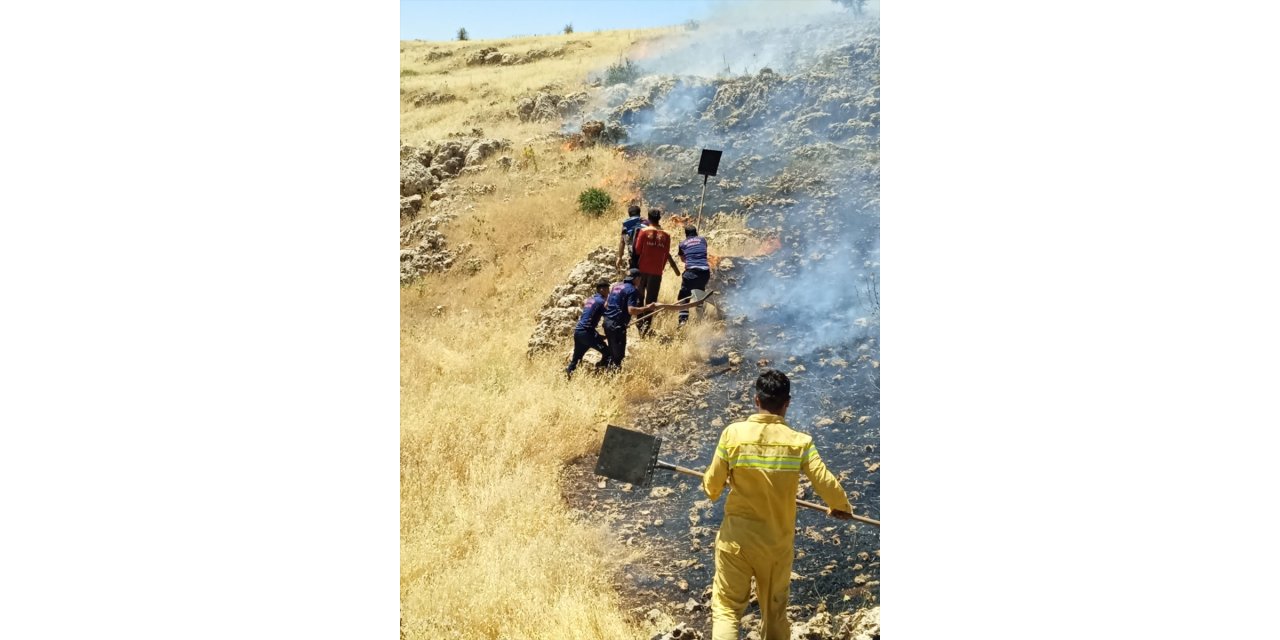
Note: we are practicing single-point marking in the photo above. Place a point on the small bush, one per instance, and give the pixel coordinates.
(692, 25)
(594, 201)
(528, 158)
(623, 71)
(568, 28)
(404, 73)
(462, 34)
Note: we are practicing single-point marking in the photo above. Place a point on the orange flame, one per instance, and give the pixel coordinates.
(680, 220)
(768, 246)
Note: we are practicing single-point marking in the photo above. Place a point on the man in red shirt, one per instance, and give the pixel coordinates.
(653, 246)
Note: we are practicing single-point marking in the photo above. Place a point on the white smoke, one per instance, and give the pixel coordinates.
(820, 289)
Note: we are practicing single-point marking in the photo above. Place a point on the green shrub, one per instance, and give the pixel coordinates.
(623, 71)
(462, 34)
(568, 28)
(407, 72)
(594, 201)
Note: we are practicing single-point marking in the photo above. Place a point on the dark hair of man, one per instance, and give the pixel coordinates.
(690, 231)
(633, 211)
(773, 389)
(602, 284)
(655, 215)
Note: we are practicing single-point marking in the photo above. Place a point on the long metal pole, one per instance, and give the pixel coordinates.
(804, 503)
(702, 200)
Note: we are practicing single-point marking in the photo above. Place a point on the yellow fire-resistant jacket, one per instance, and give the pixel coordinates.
(761, 459)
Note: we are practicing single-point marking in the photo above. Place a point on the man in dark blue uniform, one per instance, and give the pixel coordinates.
(630, 226)
(697, 269)
(584, 334)
(623, 302)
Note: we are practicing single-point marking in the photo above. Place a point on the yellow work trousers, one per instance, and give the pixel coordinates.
(731, 590)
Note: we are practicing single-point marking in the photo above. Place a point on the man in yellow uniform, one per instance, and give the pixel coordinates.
(761, 459)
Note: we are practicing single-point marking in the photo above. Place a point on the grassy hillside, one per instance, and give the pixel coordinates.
(485, 94)
(489, 548)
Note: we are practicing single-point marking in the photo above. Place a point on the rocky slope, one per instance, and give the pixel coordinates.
(424, 176)
(801, 161)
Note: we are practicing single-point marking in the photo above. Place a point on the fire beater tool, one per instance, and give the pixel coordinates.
(631, 456)
(677, 304)
(707, 165)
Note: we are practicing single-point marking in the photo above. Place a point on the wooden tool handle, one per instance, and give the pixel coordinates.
(804, 503)
(681, 301)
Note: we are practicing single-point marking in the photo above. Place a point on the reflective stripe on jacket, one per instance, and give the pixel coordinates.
(761, 460)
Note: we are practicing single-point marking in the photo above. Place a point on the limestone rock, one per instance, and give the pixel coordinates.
(563, 307)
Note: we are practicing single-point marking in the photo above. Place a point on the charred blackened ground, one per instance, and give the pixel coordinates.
(801, 164)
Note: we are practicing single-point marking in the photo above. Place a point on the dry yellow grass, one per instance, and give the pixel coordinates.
(489, 548)
(486, 94)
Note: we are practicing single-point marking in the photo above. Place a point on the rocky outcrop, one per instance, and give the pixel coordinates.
(564, 306)
(424, 169)
(548, 107)
(493, 57)
(425, 173)
(430, 98)
(409, 207)
(431, 254)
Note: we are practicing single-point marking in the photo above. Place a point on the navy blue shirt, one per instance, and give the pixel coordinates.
(592, 309)
(630, 226)
(694, 253)
(621, 296)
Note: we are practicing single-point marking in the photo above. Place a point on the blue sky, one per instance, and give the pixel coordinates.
(484, 19)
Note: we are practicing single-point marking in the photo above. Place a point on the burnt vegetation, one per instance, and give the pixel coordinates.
(800, 135)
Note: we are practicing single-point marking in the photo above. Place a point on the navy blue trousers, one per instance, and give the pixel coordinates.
(583, 341)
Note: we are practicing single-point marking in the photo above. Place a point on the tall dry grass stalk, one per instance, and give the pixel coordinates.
(489, 548)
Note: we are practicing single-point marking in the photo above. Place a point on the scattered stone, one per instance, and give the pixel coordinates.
(797, 157)
(816, 628)
(861, 625)
(430, 98)
(596, 132)
(681, 632)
